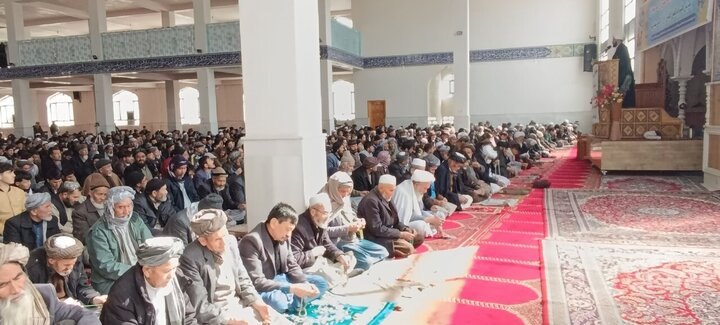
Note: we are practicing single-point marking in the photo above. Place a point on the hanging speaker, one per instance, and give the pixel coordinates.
(589, 55)
(76, 96)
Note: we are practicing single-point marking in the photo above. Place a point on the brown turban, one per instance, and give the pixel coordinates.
(14, 253)
(370, 162)
(94, 181)
(63, 247)
(207, 221)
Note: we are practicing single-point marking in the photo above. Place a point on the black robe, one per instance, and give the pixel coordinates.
(625, 71)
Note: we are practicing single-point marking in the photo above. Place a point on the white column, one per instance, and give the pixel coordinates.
(326, 74)
(208, 102)
(682, 92)
(617, 28)
(97, 24)
(201, 15)
(25, 112)
(461, 63)
(172, 87)
(283, 122)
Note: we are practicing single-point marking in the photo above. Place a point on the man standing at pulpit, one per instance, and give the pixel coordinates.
(626, 79)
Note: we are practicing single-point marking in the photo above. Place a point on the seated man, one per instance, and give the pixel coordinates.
(218, 183)
(310, 241)
(266, 254)
(21, 302)
(69, 195)
(383, 224)
(179, 225)
(86, 214)
(32, 227)
(214, 276)
(149, 293)
(152, 205)
(181, 191)
(113, 240)
(447, 181)
(408, 199)
(57, 263)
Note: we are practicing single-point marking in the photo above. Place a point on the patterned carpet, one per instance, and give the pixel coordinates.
(653, 183)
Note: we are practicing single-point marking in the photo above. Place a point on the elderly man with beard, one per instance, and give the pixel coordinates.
(86, 214)
(139, 165)
(311, 244)
(384, 226)
(149, 293)
(152, 205)
(448, 183)
(104, 168)
(81, 163)
(32, 227)
(21, 302)
(408, 199)
(113, 240)
(267, 256)
(68, 196)
(214, 276)
(57, 263)
(218, 185)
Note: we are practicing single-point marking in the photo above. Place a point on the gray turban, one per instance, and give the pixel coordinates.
(14, 253)
(36, 200)
(63, 247)
(207, 221)
(119, 193)
(157, 251)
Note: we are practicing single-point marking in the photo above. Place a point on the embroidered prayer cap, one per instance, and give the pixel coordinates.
(518, 134)
(157, 251)
(418, 163)
(208, 221)
(387, 179)
(63, 247)
(36, 200)
(321, 198)
(421, 176)
(13, 253)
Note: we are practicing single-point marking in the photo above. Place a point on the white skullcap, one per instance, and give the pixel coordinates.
(518, 134)
(418, 162)
(321, 198)
(387, 179)
(63, 242)
(422, 176)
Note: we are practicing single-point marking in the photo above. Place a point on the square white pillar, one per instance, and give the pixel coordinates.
(208, 100)
(461, 62)
(284, 147)
(103, 103)
(26, 113)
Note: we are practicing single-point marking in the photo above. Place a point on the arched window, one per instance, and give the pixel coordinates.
(447, 86)
(189, 106)
(343, 100)
(7, 112)
(60, 110)
(125, 108)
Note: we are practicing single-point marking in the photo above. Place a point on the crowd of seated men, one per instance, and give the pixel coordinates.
(137, 222)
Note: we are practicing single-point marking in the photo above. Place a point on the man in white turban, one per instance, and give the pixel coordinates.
(408, 199)
(114, 239)
(152, 279)
(22, 303)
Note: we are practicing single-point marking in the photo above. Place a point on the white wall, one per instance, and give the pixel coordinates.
(544, 90)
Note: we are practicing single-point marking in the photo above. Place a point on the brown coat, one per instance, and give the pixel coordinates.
(12, 203)
(83, 217)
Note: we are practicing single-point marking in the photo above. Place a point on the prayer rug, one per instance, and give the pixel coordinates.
(465, 227)
(668, 218)
(592, 283)
(653, 183)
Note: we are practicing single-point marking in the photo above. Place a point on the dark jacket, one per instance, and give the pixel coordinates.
(130, 303)
(19, 229)
(383, 224)
(84, 216)
(135, 167)
(82, 169)
(179, 226)
(237, 188)
(199, 280)
(257, 251)
(399, 171)
(150, 215)
(307, 236)
(56, 201)
(175, 196)
(443, 178)
(60, 312)
(361, 181)
(77, 285)
(228, 202)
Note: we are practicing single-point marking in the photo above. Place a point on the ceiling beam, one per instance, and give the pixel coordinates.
(60, 9)
(157, 76)
(151, 5)
(341, 13)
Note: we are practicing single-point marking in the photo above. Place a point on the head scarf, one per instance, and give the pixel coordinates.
(159, 250)
(114, 196)
(331, 188)
(13, 253)
(370, 162)
(384, 158)
(120, 226)
(208, 221)
(63, 247)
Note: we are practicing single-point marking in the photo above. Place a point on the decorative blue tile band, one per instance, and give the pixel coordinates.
(328, 53)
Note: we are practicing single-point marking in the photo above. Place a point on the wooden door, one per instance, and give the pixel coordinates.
(376, 113)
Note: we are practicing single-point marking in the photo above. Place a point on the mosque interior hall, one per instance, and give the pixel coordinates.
(359, 162)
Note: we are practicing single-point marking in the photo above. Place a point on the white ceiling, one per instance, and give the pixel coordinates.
(52, 18)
